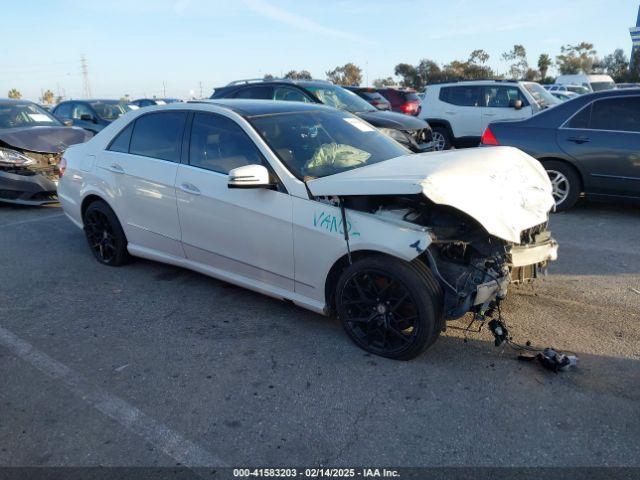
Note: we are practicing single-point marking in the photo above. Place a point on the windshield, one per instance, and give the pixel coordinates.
(542, 97)
(13, 115)
(110, 110)
(340, 98)
(319, 143)
(598, 86)
(577, 89)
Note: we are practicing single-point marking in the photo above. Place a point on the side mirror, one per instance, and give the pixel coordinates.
(68, 122)
(249, 176)
(517, 104)
(87, 117)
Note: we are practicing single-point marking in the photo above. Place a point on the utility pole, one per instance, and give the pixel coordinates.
(86, 88)
(200, 83)
(164, 89)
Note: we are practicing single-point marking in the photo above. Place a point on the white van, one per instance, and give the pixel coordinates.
(594, 83)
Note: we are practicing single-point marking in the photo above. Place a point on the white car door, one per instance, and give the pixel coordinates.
(246, 232)
(461, 107)
(141, 166)
(498, 101)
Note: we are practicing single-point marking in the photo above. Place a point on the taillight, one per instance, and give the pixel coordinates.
(488, 138)
(410, 108)
(62, 166)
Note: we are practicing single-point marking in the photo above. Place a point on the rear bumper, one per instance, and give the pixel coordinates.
(32, 189)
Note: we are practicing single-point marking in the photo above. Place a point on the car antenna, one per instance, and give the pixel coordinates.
(345, 228)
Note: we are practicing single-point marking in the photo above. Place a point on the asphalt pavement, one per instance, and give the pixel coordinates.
(149, 365)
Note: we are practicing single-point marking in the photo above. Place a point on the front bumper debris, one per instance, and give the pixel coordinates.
(34, 184)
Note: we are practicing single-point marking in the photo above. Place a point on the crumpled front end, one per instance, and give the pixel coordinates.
(30, 183)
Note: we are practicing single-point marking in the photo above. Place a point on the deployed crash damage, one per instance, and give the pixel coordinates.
(485, 228)
(31, 146)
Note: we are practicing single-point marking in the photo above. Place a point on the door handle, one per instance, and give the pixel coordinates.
(190, 188)
(115, 168)
(450, 113)
(579, 140)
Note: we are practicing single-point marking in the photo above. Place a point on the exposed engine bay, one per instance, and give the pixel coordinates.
(474, 267)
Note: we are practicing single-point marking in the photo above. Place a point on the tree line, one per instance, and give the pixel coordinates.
(578, 58)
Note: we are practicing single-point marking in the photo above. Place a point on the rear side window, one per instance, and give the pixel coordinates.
(619, 114)
(463, 96)
(219, 144)
(159, 135)
(121, 142)
(261, 92)
(581, 119)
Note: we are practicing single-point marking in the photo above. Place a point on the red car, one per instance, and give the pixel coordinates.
(402, 100)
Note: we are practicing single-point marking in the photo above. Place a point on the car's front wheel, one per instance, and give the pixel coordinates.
(104, 233)
(389, 307)
(565, 184)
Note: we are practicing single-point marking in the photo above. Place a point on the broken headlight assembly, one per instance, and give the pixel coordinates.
(398, 135)
(12, 158)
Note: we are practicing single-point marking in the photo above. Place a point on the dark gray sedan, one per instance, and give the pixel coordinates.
(589, 145)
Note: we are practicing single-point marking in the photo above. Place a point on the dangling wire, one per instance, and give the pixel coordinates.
(345, 229)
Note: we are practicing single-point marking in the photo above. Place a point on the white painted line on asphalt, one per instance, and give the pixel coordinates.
(32, 220)
(162, 437)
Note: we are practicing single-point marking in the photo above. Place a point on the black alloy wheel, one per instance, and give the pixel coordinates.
(388, 311)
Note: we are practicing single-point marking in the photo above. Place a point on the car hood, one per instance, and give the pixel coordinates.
(397, 121)
(43, 139)
(502, 188)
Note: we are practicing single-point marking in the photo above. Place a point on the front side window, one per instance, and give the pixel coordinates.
(80, 109)
(462, 96)
(619, 114)
(290, 95)
(63, 110)
(219, 144)
(159, 135)
(25, 114)
(503, 97)
(340, 98)
(319, 143)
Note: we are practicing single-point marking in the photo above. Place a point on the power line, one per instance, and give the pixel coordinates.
(86, 88)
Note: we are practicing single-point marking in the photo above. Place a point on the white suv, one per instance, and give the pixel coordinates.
(459, 112)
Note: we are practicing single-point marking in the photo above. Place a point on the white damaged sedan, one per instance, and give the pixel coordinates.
(313, 205)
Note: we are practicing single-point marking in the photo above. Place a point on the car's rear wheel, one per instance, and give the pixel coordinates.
(441, 140)
(104, 233)
(389, 307)
(565, 184)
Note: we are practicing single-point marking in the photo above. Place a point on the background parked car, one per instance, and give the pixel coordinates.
(594, 83)
(459, 112)
(564, 96)
(413, 133)
(145, 102)
(589, 145)
(402, 100)
(92, 115)
(579, 89)
(372, 96)
(627, 85)
(31, 142)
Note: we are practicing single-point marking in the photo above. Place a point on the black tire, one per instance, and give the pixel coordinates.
(389, 307)
(446, 144)
(105, 236)
(562, 174)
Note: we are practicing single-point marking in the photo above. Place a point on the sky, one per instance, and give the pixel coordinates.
(180, 48)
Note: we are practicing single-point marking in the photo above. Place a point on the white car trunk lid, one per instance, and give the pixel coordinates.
(503, 188)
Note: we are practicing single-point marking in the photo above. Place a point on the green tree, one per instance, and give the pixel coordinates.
(578, 58)
(47, 97)
(544, 62)
(14, 93)
(409, 75)
(268, 76)
(518, 58)
(346, 75)
(384, 82)
(298, 75)
(616, 64)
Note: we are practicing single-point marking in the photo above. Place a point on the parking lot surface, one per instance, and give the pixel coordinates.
(150, 365)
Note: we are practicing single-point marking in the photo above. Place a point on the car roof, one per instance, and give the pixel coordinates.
(10, 101)
(252, 108)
